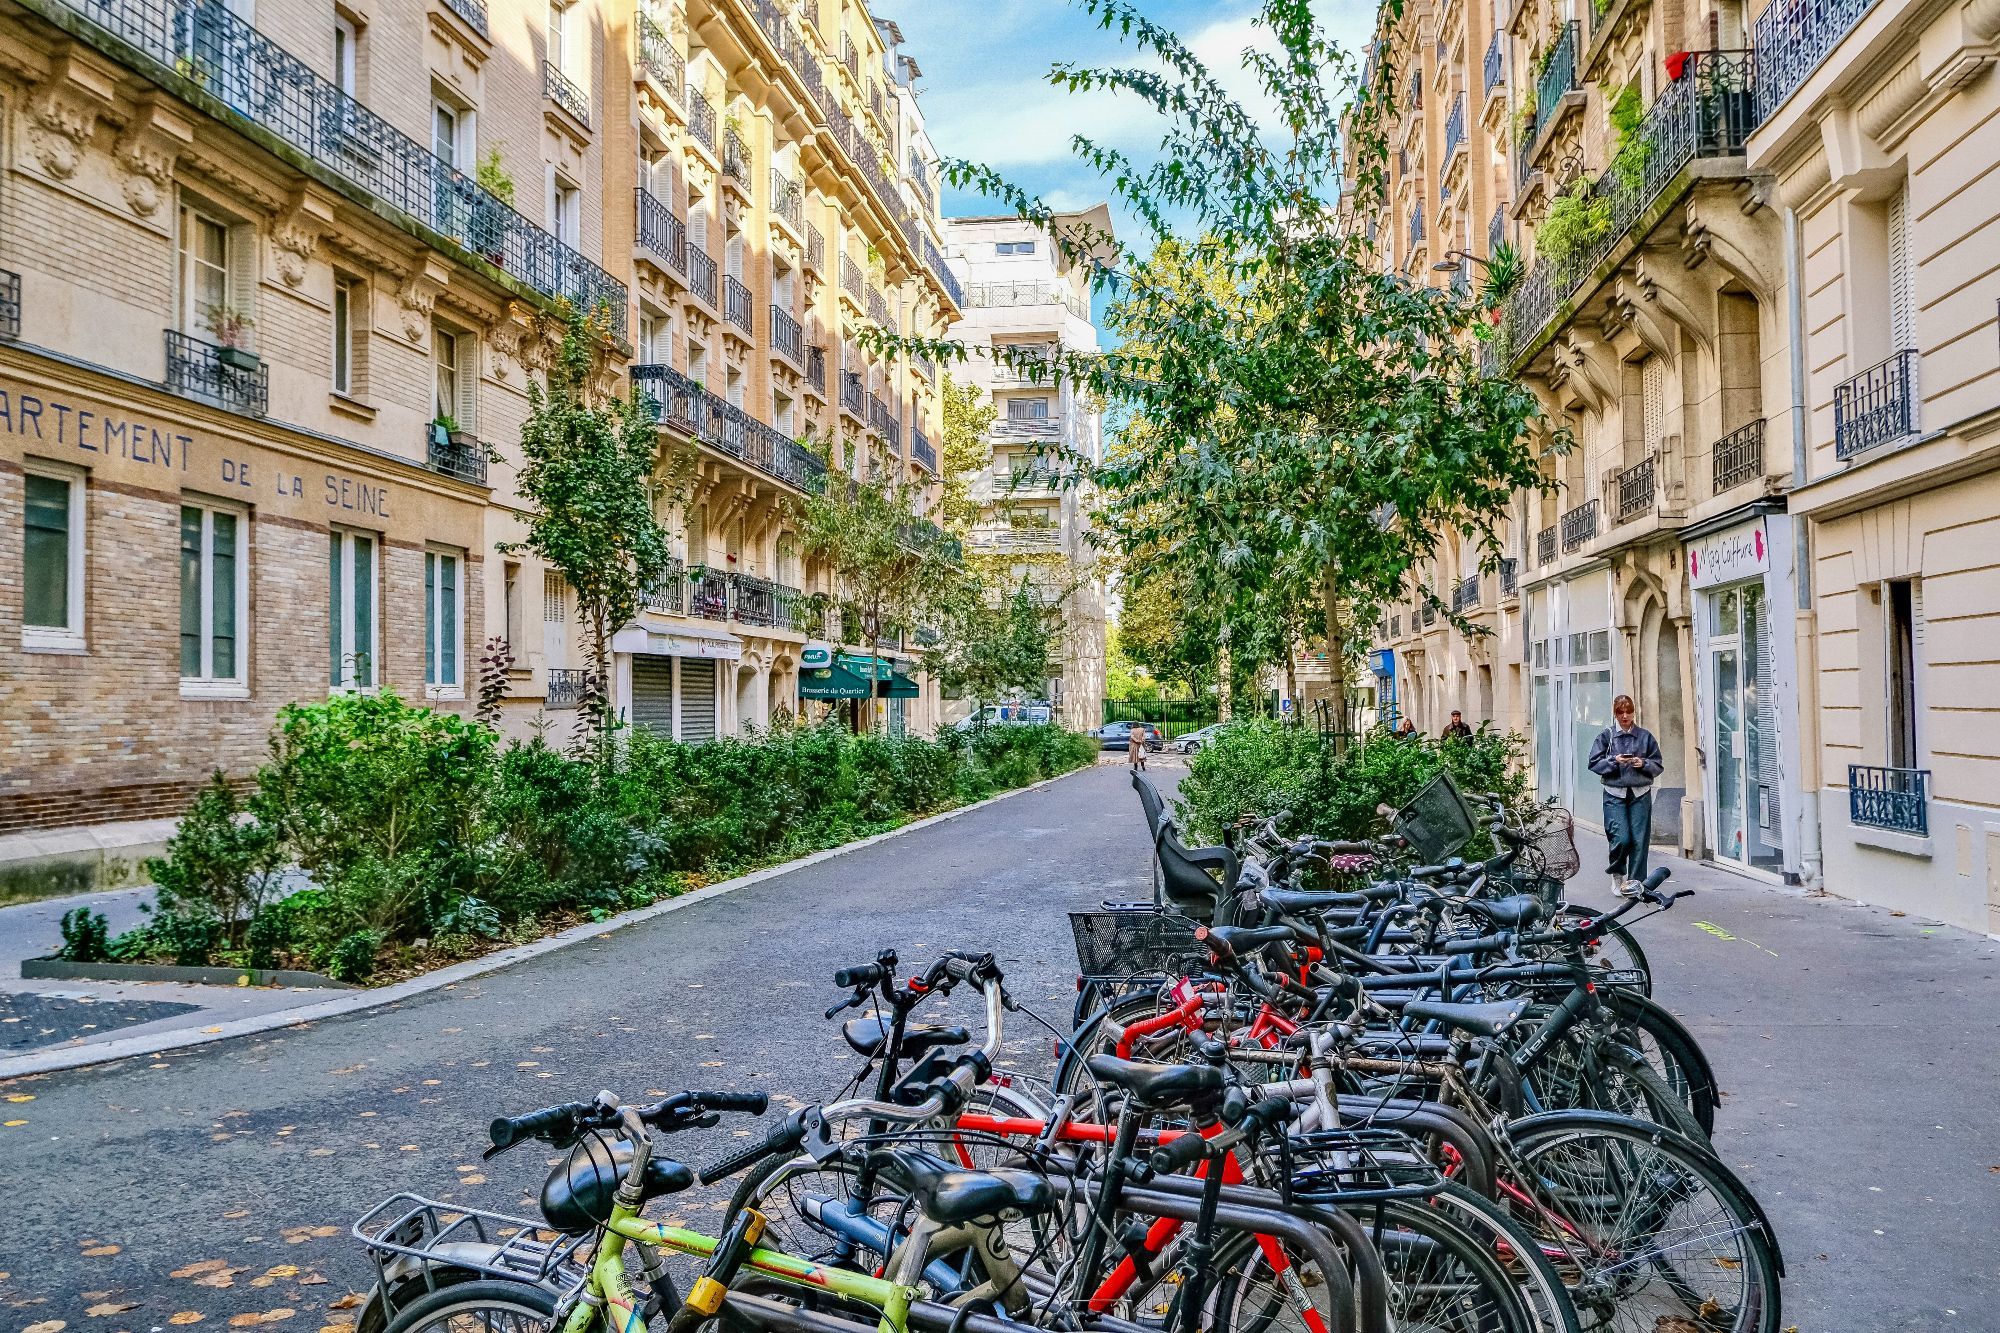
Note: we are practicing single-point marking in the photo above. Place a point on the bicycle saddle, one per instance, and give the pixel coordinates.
(1513, 912)
(1236, 941)
(1481, 1020)
(949, 1194)
(866, 1035)
(1158, 1086)
(577, 1195)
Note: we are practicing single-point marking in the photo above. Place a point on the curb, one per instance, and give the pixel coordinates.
(60, 1058)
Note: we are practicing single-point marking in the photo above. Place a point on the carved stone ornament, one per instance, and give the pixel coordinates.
(148, 160)
(416, 299)
(503, 343)
(60, 123)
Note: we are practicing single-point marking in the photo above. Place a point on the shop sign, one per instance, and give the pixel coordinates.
(1729, 557)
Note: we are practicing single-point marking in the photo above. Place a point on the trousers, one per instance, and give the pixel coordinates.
(1628, 827)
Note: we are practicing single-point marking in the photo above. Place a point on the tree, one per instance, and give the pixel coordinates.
(968, 415)
(992, 646)
(588, 475)
(1174, 639)
(1291, 404)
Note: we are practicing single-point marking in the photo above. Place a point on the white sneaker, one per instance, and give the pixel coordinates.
(1618, 883)
(1628, 888)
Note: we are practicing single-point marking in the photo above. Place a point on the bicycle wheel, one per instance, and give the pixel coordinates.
(1649, 1230)
(1648, 1028)
(1246, 1296)
(1617, 951)
(1444, 1277)
(481, 1306)
(1517, 1251)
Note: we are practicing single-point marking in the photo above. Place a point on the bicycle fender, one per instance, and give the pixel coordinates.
(1657, 1012)
(1068, 1056)
(868, 1231)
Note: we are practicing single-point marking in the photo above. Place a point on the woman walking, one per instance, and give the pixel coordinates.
(1627, 759)
(1135, 747)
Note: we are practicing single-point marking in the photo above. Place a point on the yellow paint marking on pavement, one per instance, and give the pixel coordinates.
(1722, 934)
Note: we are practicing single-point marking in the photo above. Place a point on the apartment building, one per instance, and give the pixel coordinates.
(270, 281)
(784, 200)
(1033, 520)
(1747, 238)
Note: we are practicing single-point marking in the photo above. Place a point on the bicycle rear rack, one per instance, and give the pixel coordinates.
(410, 1237)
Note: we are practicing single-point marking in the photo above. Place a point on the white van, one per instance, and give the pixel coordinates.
(1007, 715)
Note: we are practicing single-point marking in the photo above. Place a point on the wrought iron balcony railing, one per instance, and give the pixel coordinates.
(851, 280)
(1894, 799)
(235, 381)
(1454, 128)
(878, 310)
(472, 11)
(704, 416)
(1496, 66)
(1465, 595)
(1025, 428)
(788, 201)
(1636, 486)
(923, 451)
(1706, 113)
(701, 274)
(462, 457)
(668, 594)
(1033, 478)
(737, 303)
(661, 232)
(708, 594)
(1018, 539)
(202, 42)
(1496, 228)
(1558, 77)
(1579, 525)
(566, 687)
(815, 249)
(561, 89)
(1417, 226)
(816, 369)
(1876, 407)
(657, 58)
(883, 418)
(787, 334)
(736, 159)
(701, 120)
(1545, 546)
(10, 304)
(853, 398)
(850, 57)
(1510, 576)
(1792, 38)
(1009, 294)
(924, 366)
(1737, 457)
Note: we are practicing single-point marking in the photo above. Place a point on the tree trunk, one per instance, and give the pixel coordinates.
(1222, 683)
(1336, 658)
(1292, 679)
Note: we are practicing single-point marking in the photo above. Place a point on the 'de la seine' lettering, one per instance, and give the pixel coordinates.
(30, 416)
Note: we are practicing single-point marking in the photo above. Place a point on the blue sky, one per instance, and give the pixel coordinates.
(986, 94)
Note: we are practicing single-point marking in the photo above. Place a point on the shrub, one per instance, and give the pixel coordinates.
(219, 864)
(86, 939)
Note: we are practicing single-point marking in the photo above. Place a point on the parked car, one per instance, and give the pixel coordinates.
(1192, 742)
(1118, 735)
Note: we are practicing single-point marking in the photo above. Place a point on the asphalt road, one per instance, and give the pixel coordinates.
(1858, 1052)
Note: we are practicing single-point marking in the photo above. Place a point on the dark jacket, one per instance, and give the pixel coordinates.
(1459, 729)
(1611, 743)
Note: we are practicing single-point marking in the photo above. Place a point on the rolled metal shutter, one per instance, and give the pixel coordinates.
(653, 693)
(697, 699)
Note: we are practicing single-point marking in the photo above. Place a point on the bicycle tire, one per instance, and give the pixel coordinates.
(1618, 949)
(1516, 1250)
(494, 1306)
(1672, 1051)
(1242, 1299)
(1602, 1194)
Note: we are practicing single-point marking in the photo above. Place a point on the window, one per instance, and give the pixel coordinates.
(1904, 604)
(214, 592)
(654, 339)
(350, 587)
(444, 618)
(1027, 409)
(559, 53)
(453, 358)
(510, 598)
(346, 53)
(1014, 248)
(52, 560)
(446, 132)
(554, 598)
(204, 272)
(343, 335)
(566, 212)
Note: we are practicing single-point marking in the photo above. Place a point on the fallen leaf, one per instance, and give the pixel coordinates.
(100, 1251)
(20, 1096)
(105, 1309)
(282, 1270)
(240, 1212)
(47, 1326)
(348, 1302)
(185, 1317)
(196, 1270)
(312, 1280)
(221, 1279)
(13, 1124)
(213, 1029)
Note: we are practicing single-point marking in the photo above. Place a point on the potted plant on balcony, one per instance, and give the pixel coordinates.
(231, 328)
(447, 434)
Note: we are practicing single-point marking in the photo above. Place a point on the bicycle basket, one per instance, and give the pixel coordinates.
(1132, 944)
(1553, 852)
(1437, 821)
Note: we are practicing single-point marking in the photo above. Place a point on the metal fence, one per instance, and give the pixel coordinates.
(561, 89)
(1876, 407)
(1579, 525)
(1636, 486)
(1737, 457)
(202, 370)
(677, 400)
(662, 232)
(1896, 799)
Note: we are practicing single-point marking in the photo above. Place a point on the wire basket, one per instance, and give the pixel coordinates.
(1361, 1165)
(408, 1235)
(1437, 822)
(1116, 945)
(1552, 854)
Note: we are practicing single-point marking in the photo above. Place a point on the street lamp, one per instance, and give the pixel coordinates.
(1453, 260)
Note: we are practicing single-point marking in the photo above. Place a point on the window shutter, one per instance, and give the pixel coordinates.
(549, 195)
(1653, 399)
(242, 259)
(468, 383)
(697, 699)
(1902, 283)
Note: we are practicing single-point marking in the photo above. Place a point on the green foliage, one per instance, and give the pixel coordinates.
(86, 939)
(1635, 150)
(1504, 271)
(415, 825)
(1262, 767)
(962, 450)
(493, 177)
(1575, 223)
(987, 652)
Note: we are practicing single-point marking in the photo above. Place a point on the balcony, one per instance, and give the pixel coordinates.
(1579, 526)
(1876, 407)
(1465, 595)
(1737, 457)
(701, 275)
(472, 11)
(788, 201)
(736, 160)
(850, 58)
(668, 594)
(1025, 428)
(1019, 539)
(661, 233)
(708, 594)
(1454, 129)
(10, 304)
(224, 376)
(1635, 488)
(1893, 799)
(878, 310)
(1496, 67)
(1510, 576)
(1706, 113)
(787, 335)
(676, 400)
(924, 366)
(981, 295)
(1417, 227)
(559, 88)
(882, 417)
(657, 59)
(815, 249)
(1496, 228)
(566, 687)
(851, 280)
(1792, 38)
(853, 399)
(701, 121)
(458, 456)
(266, 86)
(816, 369)
(1545, 546)
(1032, 478)
(737, 306)
(923, 451)
(1558, 76)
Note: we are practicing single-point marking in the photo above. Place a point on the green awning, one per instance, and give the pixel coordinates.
(901, 686)
(858, 676)
(833, 682)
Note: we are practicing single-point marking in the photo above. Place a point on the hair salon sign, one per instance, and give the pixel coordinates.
(1730, 556)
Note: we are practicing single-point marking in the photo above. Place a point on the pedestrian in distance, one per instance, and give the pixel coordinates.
(1456, 727)
(1135, 748)
(1406, 728)
(1626, 759)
